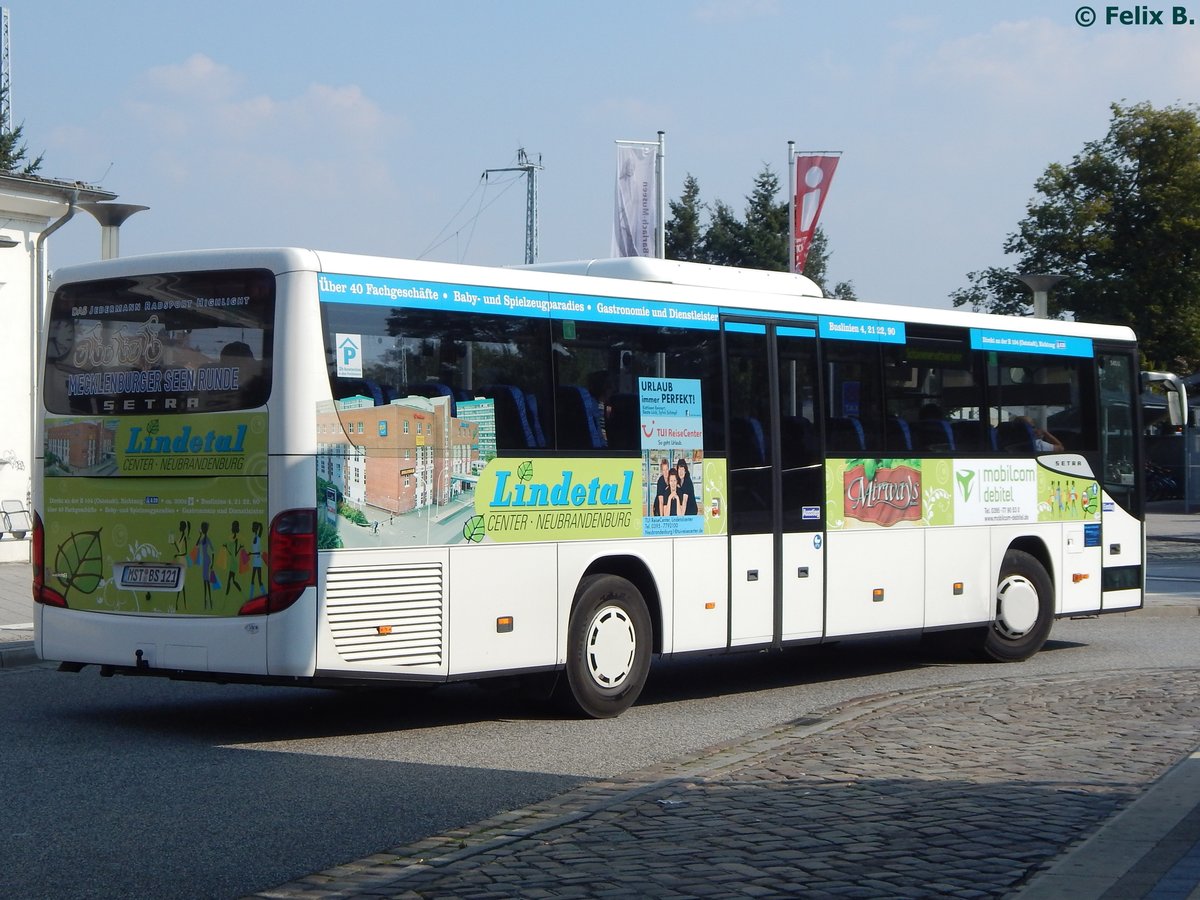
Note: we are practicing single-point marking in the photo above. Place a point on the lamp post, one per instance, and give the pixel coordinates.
(1040, 285)
(111, 217)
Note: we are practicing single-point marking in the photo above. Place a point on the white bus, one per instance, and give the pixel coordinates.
(316, 468)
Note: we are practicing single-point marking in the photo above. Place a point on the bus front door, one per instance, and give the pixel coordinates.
(776, 483)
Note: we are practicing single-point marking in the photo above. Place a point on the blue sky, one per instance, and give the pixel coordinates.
(365, 126)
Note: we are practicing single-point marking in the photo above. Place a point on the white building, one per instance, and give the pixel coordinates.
(29, 208)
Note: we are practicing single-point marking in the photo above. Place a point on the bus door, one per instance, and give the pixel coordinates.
(776, 489)
(1122, 511)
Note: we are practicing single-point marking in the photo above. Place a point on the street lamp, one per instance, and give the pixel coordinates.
(111, 217)
(1040, 285)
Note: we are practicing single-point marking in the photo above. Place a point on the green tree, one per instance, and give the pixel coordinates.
(843, 290)
(758, 241)
(1122, 221)
(13, 151)
(765, 238)
(685, 232)
(995, 290)
(723, 243)
(818, 256)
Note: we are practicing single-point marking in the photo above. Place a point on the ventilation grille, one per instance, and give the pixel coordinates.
(390, 615)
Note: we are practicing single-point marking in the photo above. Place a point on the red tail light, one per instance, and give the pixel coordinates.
(291, 562)
(41, 593)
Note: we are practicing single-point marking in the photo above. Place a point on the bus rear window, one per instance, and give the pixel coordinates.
(175, 342)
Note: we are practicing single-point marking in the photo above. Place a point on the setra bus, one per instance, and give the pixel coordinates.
(301, 467)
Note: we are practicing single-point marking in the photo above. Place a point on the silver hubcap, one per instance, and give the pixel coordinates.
(1016, 606)
(611, 645)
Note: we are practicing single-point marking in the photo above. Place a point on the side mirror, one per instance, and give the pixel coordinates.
(1177, 403)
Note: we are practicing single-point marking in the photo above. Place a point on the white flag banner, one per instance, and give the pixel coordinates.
(635, 219)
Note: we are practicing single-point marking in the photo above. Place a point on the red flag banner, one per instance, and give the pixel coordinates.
(813, 176)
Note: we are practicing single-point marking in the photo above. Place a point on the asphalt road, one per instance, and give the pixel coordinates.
(119, 787)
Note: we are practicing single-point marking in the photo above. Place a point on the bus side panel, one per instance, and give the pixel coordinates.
(862, 562)
(300, 380)
(1122, 544)
(803, 587)
(751, 589)
(383, 612)
(576, 557)
(291, 638)
(1080, 568)
(187, 643)
(701, 578)
(491, 583)
(958, 556)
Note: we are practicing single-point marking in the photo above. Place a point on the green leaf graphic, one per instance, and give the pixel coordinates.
(79, 562)
(525, 470)
(473, 529)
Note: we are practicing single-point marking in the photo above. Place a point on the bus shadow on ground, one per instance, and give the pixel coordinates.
(695, 678)
(230, 714)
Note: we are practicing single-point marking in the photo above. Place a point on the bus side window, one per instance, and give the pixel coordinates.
(854, 376)
(932, 386)
(623, 423)
(1042, 403)
(578, 419)
(513, 432)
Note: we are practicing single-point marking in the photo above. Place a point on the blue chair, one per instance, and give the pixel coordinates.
(1016, 436)
(898, 435)
(576, 419)
(845, 433)
(512, 422)
(932, 434)
(535, 421)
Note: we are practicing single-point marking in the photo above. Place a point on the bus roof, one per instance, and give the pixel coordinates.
(672, 271)
(720, 286)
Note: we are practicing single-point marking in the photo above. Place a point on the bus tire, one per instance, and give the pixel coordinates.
(1024, 609)
(608, 647)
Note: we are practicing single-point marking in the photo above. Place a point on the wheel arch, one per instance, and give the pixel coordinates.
(1036, 547)
(637, 573)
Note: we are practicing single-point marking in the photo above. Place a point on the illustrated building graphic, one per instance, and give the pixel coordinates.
(399, 457)
(83, 444)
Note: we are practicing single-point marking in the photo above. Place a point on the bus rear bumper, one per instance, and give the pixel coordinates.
(141, 642)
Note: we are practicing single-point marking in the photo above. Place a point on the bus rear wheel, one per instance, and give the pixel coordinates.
(608, 647)
(1024, 609)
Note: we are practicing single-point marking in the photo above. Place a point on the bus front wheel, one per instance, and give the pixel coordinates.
(1024, 609)
(608, 647)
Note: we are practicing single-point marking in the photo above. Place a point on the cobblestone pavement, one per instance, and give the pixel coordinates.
(963, 791)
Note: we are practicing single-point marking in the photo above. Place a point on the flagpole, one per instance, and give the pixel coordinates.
(661, 241)
(791, 206)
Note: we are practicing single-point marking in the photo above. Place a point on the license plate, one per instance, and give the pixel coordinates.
(149, 577)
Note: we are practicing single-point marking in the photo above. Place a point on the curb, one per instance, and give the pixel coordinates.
(17, 653)
(1118, 856)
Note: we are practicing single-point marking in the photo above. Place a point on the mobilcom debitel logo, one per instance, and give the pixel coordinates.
(966, 482)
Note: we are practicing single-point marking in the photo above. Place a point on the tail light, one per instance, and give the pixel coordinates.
(291, 562)
(41, 593)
